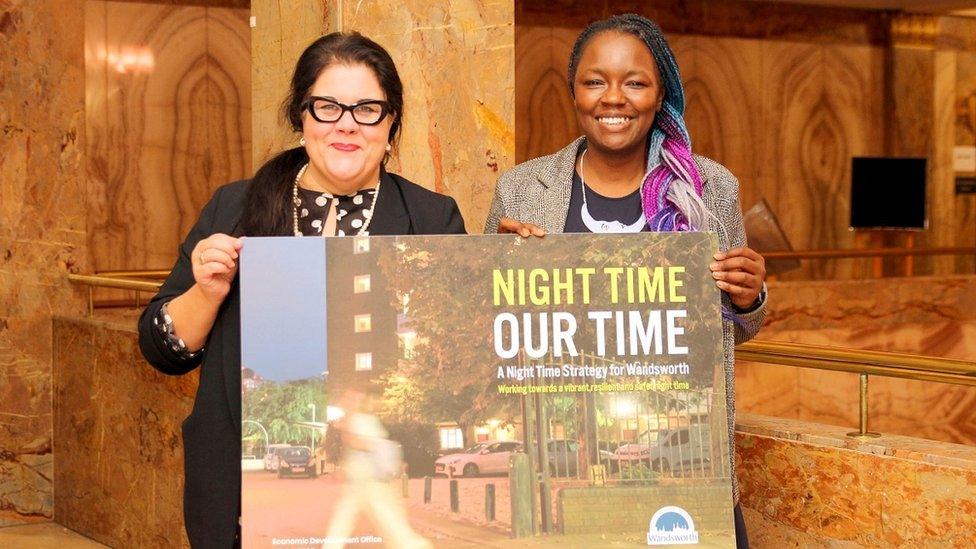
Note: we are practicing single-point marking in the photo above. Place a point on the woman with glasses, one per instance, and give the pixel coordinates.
(346, 100)
(633, 170)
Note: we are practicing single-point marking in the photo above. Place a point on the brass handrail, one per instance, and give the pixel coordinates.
(144, 273)
(858, 361)
(863, 363)
(119, 282)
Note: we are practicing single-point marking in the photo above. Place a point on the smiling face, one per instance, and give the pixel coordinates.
(345, 156)
(617, 93)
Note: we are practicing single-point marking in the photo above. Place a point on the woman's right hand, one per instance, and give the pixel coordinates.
(215, 265)
(508, 225)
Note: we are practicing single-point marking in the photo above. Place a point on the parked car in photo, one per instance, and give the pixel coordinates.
(489, 457)
(296, 460)
(563, 457)
(271, 460)
(666, 450)
(251, 462)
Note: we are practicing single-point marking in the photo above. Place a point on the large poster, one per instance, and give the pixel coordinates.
(465, 391)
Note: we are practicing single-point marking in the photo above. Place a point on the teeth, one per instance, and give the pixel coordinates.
(613, 121)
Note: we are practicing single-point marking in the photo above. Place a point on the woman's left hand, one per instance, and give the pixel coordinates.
(739, 272)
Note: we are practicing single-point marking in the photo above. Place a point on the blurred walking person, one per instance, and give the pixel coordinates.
(369, 460)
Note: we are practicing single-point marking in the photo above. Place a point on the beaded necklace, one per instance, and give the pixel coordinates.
(368, 215)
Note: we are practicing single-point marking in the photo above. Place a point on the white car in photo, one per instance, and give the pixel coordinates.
(489, 457)
(667, 450)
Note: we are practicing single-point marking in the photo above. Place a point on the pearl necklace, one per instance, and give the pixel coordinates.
(368, 214)
(598, 226)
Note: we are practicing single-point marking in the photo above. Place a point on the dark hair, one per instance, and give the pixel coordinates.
(267, 205)
(650, 34)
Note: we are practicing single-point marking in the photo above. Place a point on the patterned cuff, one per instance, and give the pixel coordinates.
(164, 323)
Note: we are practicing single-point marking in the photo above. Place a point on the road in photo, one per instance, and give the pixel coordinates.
(310, 504)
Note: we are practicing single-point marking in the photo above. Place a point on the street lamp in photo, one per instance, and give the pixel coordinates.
(312, 406)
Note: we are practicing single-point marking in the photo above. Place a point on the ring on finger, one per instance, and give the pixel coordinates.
(200, 259)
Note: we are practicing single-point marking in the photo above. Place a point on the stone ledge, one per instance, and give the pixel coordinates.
(811, 482)
(907, 448)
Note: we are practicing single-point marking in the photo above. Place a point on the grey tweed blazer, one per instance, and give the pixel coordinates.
(538, 191)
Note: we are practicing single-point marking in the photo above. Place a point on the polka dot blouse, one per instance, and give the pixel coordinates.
(351, 211)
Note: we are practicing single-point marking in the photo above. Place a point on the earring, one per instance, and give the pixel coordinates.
(302, 141)
(388, 147)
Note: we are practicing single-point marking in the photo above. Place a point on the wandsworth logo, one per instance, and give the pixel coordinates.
(671, 525)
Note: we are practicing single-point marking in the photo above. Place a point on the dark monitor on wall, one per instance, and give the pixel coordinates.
(888, 193)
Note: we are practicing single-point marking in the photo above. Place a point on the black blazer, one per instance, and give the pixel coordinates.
(212, 432)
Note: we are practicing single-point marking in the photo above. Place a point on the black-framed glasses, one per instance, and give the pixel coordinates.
(367, 113)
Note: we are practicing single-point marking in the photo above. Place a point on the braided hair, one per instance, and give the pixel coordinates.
(672, 188)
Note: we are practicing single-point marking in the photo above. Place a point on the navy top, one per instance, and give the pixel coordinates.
(626, 209)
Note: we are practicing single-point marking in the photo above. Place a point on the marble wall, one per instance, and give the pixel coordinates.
(456, 138)
(168, 99)
(894, 315)
(43, 232)
(118, 446)
(806, 485)
(784, 99)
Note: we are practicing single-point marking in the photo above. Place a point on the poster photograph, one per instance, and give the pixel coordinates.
(483, 391)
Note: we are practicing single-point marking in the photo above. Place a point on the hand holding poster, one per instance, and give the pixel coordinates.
(589, 365)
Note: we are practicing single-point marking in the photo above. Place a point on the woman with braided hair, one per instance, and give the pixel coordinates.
(633, 170)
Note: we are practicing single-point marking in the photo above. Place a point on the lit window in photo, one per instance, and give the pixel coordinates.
(364, 323)
(409, 340)
(451, 438)
(360, 284)
(360, 245)
(364, 362)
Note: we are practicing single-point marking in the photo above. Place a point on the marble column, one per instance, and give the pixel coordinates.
(43, 233)
(919, 95)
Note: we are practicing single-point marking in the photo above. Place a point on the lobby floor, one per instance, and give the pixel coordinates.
(43, 536)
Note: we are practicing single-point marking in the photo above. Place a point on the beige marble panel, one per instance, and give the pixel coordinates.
(42, 233)
(545, 118)
(118, 449)
(456, 60)
(168, 99)
(821, 106)
(892, 315)
(836, 491)
(723, 82)
(812, 305)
